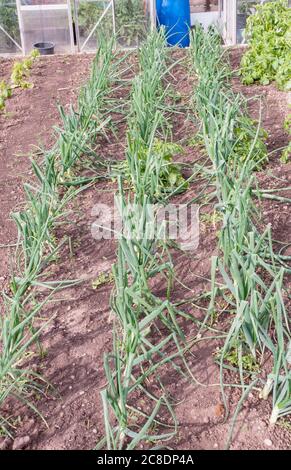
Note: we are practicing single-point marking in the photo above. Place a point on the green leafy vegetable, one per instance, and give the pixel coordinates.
(5, 93)
(21, 71)
(268, 58)
(170, 176)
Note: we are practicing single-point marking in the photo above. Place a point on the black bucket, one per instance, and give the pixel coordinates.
(45, 48)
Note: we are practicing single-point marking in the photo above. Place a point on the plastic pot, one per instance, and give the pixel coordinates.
(45, 48)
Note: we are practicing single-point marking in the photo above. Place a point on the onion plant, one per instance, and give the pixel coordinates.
(92, 117)
(138, 353)
(251, 271)
(150, 109)
(45, 208)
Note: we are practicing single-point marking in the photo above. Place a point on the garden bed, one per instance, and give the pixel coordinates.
(80, 330)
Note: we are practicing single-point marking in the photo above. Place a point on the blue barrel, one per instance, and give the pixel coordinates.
(175, 16)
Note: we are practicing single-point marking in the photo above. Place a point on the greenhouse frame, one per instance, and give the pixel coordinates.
(73, 25)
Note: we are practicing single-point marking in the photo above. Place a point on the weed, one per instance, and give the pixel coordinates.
(247, 361)
(211, 219)
(103, 278)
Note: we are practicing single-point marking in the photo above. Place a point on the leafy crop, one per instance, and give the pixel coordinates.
(21, 71)
(5, 93)
(268, 57)
(232, 357)
(244, 134)
(170, 176)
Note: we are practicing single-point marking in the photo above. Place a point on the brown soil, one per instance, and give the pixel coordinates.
(80, 330)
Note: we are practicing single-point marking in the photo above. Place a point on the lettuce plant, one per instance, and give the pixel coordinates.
(268, 57)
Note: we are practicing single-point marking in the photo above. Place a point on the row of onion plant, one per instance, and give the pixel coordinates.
(252, 273)
(46, 202)
(142, 351)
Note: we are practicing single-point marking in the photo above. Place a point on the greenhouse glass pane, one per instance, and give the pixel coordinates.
(94, 18)
(201, 6)
(132, 18)
(244, 9)
(46, 22)
(9, 27)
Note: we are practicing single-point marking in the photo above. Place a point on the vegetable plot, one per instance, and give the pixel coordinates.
(121, 139)
(251, 272)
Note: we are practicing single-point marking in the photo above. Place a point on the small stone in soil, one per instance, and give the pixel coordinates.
(20, 442)
(5, 443)
(268, 442)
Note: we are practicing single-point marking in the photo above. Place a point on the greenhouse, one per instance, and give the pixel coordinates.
(145, 251)
(74, 25)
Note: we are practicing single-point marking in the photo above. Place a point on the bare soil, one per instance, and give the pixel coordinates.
(80, 330)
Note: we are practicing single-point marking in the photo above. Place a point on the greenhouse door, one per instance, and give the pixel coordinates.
(234, 14)
(46, 21)
(10, 41)
(228, 15)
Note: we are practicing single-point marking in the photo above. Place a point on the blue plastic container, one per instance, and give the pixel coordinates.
(175, 16)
